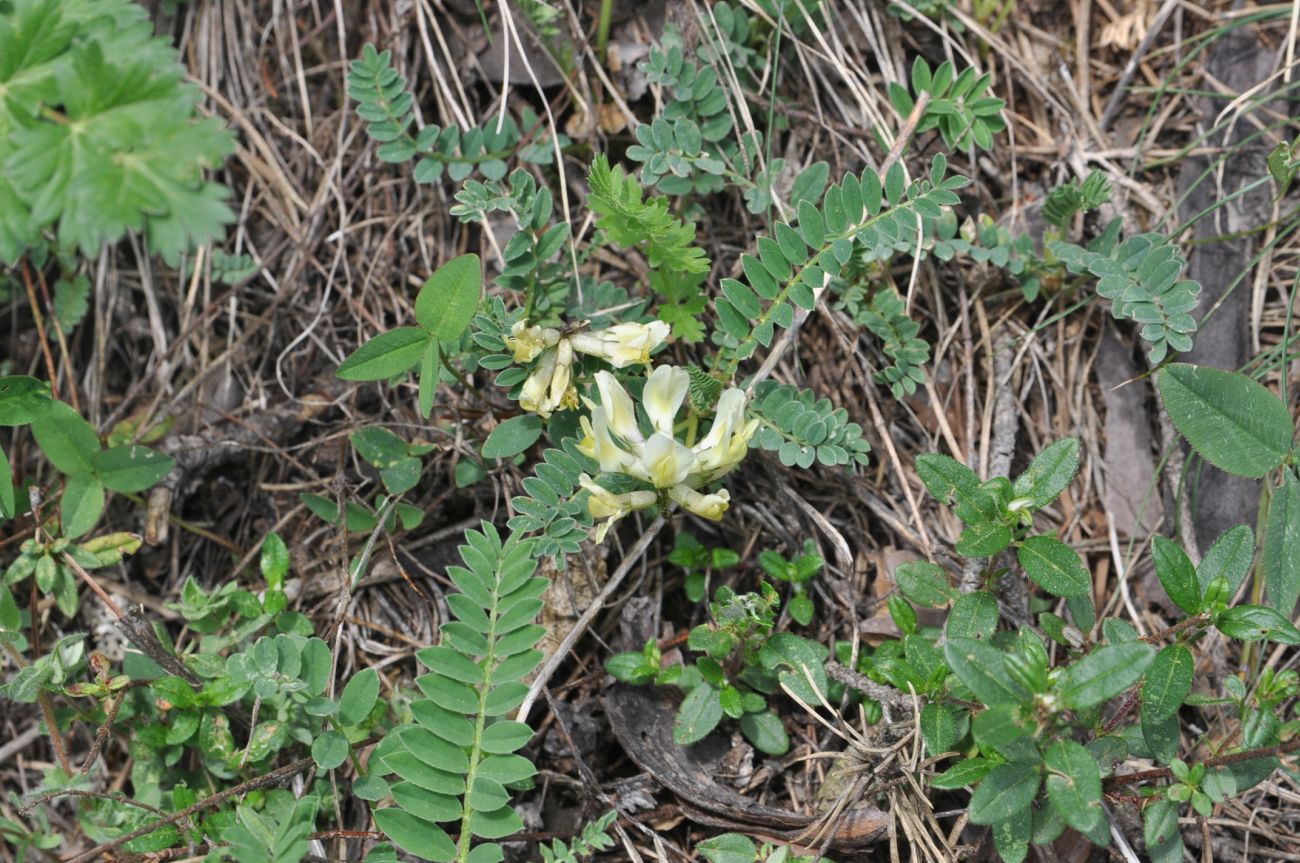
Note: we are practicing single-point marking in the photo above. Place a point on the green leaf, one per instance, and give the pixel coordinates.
(67, 440)
(82, 504)
(513, 436)
(359, 697)
(924, 583)
(1177, 575)
(700, 713)
(1074, 784)
(329, 750)
(413, 835)
(385, 356)
(950, 481)
(973, 615)
(766, 731)
(1004, 793)
(728, 848)
(1230, 557)
(448, 300)
(1233, 421)
(981, 668)
(1049, 473)
(1054, 566)
(1281, 558)
(1255, 622)
(941, 728)
(1160, 829)
(1168, 681)
(131, 468)
(8, 503)
(23, 400)
(1105, 673)
(963, 773)
(274, 561)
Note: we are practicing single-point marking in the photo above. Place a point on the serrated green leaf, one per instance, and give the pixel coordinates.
(449, 299)
(1233, 421)
(1281, 557)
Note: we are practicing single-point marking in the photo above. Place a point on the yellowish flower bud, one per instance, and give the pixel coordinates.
(710, 506)
(622, 344)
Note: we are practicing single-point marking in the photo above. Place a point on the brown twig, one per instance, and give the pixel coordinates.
(1219, 761)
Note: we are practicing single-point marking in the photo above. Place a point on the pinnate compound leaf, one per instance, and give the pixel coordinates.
(448, 300)
(1233, 421)
(414, 835)
(385, 356)
(1054, 566)
(1008, 790)
(1105, 673)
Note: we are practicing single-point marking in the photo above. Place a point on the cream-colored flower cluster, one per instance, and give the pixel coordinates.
(550, 385)
(614, 439)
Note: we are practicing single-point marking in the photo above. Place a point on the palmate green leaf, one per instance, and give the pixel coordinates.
(1177, 575)
(23, 400)
(1004, 793)
(1105, 673)
(616, 198)
(1054, 566)
(1168, 681)
(1049, 473)
(449, 299)
(124, 148)
(981, 668)
(1281, 559)
(1233, 421)
(1074, 784)
(386, 355)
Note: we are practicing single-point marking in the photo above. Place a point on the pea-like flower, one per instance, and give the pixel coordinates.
(613, 437)
(550, 385)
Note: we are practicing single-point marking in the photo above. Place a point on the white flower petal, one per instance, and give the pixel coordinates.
(619, 410)
(730, 414)
(664, 462)
(664, 392)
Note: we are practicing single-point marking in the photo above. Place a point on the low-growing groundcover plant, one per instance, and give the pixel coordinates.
(613, 408)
